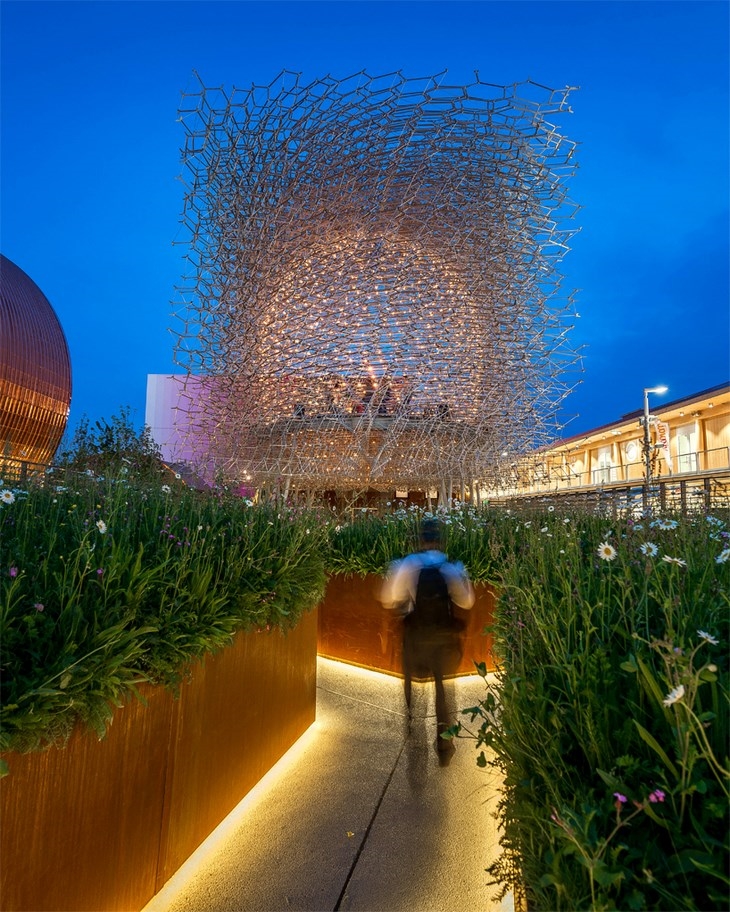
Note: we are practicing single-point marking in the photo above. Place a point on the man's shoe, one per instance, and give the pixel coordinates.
(445, 750)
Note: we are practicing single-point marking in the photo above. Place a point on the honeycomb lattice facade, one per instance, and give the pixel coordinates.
(35, 372)
(373, 299)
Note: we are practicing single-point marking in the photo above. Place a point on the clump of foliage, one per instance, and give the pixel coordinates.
(107, 448)
(107, 583)
(609, 716)
(368, 543)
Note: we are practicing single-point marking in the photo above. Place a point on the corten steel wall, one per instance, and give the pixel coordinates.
(35, 370)
(355, 628)
(101, 825)
(225, 738)
(80, 825)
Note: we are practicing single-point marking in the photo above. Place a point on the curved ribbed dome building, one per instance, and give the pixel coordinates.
(35, 371)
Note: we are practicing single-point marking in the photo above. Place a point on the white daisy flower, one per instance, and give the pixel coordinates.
(7, 497)
(649, 549)
(101, 526)
(166, 489)
(706, 636)
(675, 560)
(606, 551)
(723, 557)
(665, 524)
(674, 695)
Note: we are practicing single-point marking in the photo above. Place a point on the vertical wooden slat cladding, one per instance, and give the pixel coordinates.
(355, 628)
(81, 824)
(101, 825)
(35, 370)
(238, 715)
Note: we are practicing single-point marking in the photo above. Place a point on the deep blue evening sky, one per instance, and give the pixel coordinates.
(91, 152)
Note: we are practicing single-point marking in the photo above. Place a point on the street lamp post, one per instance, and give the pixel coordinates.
(658, 390)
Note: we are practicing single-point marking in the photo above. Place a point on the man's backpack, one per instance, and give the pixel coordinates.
(432, 607)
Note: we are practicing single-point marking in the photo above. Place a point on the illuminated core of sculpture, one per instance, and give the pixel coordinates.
(373, 298)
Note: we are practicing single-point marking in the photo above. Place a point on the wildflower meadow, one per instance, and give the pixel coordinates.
(608, 716)
(105, 583)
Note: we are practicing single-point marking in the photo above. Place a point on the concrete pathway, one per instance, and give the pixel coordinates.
(359, 815)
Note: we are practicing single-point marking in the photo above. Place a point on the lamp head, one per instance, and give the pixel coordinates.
(657, 389)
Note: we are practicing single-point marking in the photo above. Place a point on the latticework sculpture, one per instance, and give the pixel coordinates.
(374, 297)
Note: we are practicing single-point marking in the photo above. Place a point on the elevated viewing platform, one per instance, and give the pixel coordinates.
(686, 445)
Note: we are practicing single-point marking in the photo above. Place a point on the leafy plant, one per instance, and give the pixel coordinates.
(110, 447)
(104, 584)
(368, 543)
(609, 716)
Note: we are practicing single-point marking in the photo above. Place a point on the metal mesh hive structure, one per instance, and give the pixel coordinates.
(374, 297)
(35, 371)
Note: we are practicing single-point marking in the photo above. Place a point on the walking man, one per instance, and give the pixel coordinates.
(425, 586)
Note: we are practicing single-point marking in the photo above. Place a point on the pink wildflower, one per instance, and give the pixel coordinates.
(38, 606)
(657, 796)
(13, 572)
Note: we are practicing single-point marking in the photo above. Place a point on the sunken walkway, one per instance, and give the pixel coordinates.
(360, 814)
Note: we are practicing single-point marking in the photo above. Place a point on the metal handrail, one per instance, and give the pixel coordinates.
(558, 478)
(18, 471)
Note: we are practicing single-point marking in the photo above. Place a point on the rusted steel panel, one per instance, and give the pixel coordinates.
(80, 825)
(241, 711)
(355, 628)
(101, 825)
